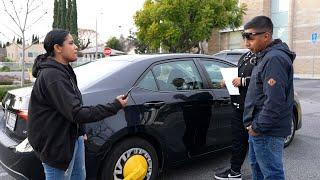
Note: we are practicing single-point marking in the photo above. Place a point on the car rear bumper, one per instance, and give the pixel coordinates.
(17, 164)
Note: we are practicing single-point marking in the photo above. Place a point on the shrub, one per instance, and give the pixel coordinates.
(5, 88)
(5, 69)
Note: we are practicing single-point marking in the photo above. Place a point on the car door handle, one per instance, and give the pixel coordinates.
(154, 104)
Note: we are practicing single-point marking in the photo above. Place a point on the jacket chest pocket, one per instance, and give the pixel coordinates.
(259, 84)
(258, 78)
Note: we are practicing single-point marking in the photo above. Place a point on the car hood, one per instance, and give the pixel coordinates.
(21, 92)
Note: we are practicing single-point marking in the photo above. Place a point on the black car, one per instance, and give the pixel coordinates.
(177, 111)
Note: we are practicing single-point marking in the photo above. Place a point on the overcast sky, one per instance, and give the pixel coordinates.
(114, 17)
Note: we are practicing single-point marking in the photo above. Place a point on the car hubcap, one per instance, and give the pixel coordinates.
(135, 163)
(291, 133)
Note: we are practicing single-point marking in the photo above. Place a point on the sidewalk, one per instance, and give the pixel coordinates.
(306, 76)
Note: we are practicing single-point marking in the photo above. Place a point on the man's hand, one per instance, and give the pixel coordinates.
(251, 131)
(236, 82)
(123, 101)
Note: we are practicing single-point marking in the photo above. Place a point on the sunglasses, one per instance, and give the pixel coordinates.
(250, 35)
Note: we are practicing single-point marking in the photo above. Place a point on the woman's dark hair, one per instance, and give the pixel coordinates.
(56, 36)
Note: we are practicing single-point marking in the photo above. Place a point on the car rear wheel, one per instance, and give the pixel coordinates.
(290, 137)
(135, 158)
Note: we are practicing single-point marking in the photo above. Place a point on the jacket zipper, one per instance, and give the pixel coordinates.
(74, 88)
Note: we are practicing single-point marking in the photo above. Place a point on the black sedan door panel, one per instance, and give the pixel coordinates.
(182, 117)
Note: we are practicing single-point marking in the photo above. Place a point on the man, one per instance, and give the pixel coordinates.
(239, 133)
(269, 101)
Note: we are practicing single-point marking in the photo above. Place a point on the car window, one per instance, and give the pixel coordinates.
(148, 82)
(220, 55)
(179, 75)
(92, 72)
(213, 70)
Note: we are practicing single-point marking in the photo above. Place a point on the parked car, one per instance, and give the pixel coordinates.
(177, 112)
(231, 56)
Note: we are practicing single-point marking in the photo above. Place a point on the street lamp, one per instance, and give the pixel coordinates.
(96, 53)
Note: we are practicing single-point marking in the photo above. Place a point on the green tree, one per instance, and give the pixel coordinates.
(73, 19)
(62, 23)
(179, 25)
(140, 47)
(114, 43)
(55, 14)
(35, 39)
(74, 22)
(19, 41)
(69, 9)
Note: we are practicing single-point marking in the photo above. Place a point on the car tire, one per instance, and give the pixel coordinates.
(290, 137)
(113, 166)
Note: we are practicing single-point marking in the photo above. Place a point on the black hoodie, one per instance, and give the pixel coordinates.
(269, 100)
(56, 113)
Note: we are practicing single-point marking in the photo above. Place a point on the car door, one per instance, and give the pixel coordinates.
(173, 102)
(220, 124)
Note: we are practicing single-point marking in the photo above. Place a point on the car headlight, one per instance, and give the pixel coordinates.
(24, 146)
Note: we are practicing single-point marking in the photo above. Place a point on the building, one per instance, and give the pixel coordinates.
(294, 22)
(14, 52)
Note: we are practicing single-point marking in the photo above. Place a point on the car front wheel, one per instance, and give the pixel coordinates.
(290, 137)
(133, 158)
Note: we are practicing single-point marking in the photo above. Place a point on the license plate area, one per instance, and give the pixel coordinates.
(11, 120)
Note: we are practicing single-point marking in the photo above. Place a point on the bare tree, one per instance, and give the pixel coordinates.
(85, 37)
(21, 19)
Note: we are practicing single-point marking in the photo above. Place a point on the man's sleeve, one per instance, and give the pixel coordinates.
(63, 97)
(274, 77)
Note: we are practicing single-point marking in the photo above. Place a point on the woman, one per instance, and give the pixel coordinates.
(56, 113)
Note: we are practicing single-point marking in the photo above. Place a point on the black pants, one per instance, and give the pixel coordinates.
(239, 141)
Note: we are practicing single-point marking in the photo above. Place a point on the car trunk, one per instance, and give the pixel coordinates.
(15, 109)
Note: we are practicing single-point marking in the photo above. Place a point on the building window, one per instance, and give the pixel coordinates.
(280, 18)
(235, 39)
(30, 55)
(20, 55)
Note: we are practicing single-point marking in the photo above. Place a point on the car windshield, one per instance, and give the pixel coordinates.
(91, 73)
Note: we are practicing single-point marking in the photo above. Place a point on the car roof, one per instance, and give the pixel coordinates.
(155, 57)
(233, 51)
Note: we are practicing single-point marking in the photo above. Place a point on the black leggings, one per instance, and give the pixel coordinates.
(239, 141)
